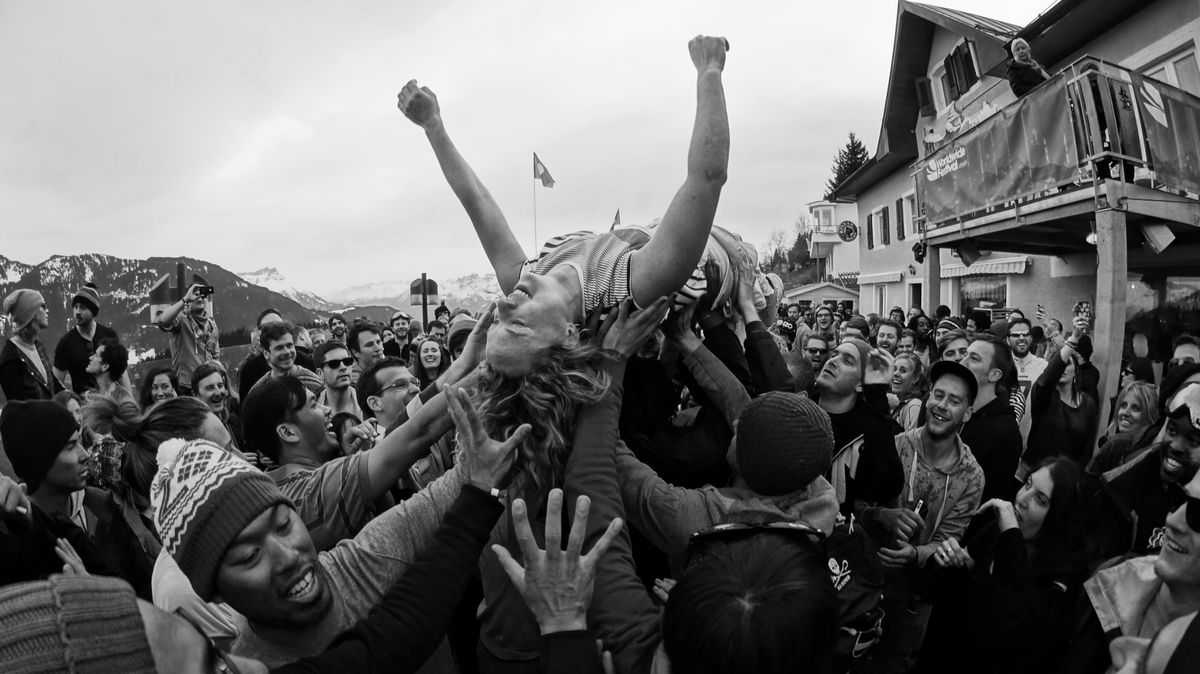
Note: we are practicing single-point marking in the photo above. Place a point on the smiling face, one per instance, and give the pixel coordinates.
(904, 377)
(815, 350)
(161, 389)
(281, 353)
(906, 344)
(1019, 340)
(824, 318)
(923, 324)
(887, 338)
(1130, 414)
(400, 328)
(1180, 449)
(69, 471)
(1178, 562)
(536, 316)
(95, 362)
(431, 355)
(212, 390)
(271, 573)
(397, 386)
(1033, 502)
(313, 428)
(948, 407)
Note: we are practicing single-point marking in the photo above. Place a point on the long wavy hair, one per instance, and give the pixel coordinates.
(1146, 395)
(548, 399)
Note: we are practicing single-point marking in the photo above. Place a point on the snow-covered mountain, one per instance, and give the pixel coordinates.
(271, 279)
(472, 292)
(11, 271)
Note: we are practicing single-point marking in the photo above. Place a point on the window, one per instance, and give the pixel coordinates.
(870, 231)
(1178, 70)
(986, 292)
(823, 219)
(955, 76)
(910, 211)
(885, 232)
(900, 212)
(881, 298)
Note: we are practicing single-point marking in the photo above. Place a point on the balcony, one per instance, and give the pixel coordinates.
(1094, 138)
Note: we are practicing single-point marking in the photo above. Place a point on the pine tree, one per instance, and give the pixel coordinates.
(848, 160)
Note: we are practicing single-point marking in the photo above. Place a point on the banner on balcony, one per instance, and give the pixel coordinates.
(1027, 147)
(1172, 121)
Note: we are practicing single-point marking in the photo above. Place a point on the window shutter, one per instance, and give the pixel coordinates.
(951, 80)
(870, 233)
(900, 219)
(925, 97)
(968, 66)
(885, 232)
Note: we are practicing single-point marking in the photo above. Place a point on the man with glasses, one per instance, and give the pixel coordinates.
(334, 362)
(1029, 365)
(1137, 598)
(815, 349)
(335, 495)
(1185, 350)
(384, 391)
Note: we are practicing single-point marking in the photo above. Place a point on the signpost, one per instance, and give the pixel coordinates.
(423, 291)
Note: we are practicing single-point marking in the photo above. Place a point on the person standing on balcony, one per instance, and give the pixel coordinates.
(1024, 74)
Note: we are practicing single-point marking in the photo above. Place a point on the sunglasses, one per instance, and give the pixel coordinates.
(1178, 498)
(738, 530)
(814, 351)
(340, 362)
(224, 664)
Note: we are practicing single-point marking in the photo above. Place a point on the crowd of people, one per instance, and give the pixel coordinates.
(745, 485)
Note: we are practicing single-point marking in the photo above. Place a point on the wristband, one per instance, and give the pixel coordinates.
(485, 488)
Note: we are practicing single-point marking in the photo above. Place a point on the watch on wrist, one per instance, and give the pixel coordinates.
(485, 488)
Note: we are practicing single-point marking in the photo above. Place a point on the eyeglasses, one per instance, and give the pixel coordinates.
(738, 530)
(340, 362)
(222, 660)
(399, 383)
(814, 351)
(1018, 335)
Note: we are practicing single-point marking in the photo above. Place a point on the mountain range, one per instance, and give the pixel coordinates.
(124, 285)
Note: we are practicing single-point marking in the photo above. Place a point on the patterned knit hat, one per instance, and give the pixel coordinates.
(88, 296)
(72, 624)
(203, 497)
(22, 305)
(784, 441)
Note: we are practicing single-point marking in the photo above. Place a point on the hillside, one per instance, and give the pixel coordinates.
(124, 284)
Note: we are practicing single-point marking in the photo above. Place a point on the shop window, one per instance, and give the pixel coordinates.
(988, 292)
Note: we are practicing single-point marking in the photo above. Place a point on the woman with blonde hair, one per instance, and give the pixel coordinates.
(910, 385)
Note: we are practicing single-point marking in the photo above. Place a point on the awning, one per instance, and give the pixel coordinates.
(884, 277)
(1008, 265)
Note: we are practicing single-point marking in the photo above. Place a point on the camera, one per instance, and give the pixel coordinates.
(204, 291)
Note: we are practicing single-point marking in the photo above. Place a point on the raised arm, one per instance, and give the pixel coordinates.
(665, 263)
(420, 105)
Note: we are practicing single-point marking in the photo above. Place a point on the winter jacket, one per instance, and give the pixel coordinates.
(995, 441)
(999, 616)
(668, 515)
(866, 469)
(20, 380)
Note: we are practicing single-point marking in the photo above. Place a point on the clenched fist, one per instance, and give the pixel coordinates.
(420, 105)
(708, 53)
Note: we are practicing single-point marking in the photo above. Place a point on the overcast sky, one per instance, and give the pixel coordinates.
(265, 133)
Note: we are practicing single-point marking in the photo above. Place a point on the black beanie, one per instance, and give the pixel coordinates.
(784, 441)
(34, 432)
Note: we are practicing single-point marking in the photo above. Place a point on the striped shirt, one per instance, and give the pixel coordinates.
(602, 263)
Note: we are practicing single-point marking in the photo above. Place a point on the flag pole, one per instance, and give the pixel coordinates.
(536, 246)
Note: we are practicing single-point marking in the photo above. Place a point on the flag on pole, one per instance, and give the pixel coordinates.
(540, 172)
(616, 220)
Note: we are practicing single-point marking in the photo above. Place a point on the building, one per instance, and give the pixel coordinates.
(1086, 188)
(834, 240)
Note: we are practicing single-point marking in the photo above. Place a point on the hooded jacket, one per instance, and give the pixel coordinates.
(668, 515)
(950, 495)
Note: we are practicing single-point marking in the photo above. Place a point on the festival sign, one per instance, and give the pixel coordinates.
(1171, 118)
(1025, 148)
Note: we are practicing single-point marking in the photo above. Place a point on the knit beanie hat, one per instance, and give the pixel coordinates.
(460, 326)
(22, 305)
(34, 432)
(784, 441)
(89, 297)
(203, 497)
(863, 349)
(73, 624)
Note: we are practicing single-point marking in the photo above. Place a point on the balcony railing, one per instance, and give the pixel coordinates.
(1091, 119)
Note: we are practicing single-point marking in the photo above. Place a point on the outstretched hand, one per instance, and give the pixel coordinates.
(420, 105)
(879, 367)
(557, 584)
(708, 53)
(72, 562)
(476, 344)
(626, 328)
(485, 459)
